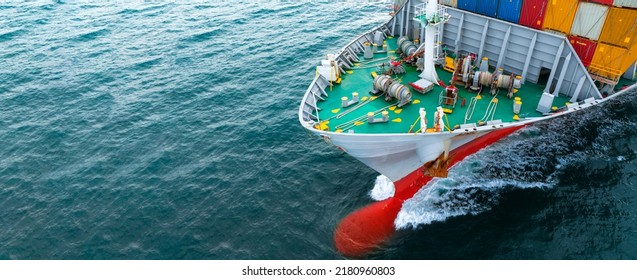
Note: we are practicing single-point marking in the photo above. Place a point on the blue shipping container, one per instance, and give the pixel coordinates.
(468, 5)
(510, 10)
(487, 7)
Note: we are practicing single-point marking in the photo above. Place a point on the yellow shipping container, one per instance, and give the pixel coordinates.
(560, 15)
(620, 28)
(611, 61)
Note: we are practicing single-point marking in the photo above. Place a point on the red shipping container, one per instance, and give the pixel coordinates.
(584, 48)
(603, 2)
(533, 12)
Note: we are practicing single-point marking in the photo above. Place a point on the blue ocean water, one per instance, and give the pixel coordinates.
(168, 130)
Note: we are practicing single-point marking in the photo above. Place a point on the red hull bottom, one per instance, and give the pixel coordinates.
(367, 228)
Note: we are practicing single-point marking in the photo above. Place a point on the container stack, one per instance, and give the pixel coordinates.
(602, 32)
(586, 28)
(616, 51)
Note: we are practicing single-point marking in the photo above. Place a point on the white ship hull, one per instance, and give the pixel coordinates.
(396, 156)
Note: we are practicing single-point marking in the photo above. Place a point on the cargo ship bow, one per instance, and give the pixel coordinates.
(436, 83)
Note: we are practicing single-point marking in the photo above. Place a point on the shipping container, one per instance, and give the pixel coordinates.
(611, 61)
(584, 48)
(589, 20)
(533, 12)
(509, 10)
(625, 3)
(560, 15)
(620, 28)
(450, 3)
(604, 2)
(468, 5)
(487, 7)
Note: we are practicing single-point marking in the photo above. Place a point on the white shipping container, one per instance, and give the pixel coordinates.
(625, 3)
(589, 20)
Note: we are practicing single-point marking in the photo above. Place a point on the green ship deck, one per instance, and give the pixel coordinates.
(360, 80)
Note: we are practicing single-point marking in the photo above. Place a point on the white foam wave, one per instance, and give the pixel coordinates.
(383, 188)
(531, 158)
(455, 196)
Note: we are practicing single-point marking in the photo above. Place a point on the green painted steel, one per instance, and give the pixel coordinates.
(361, 81)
